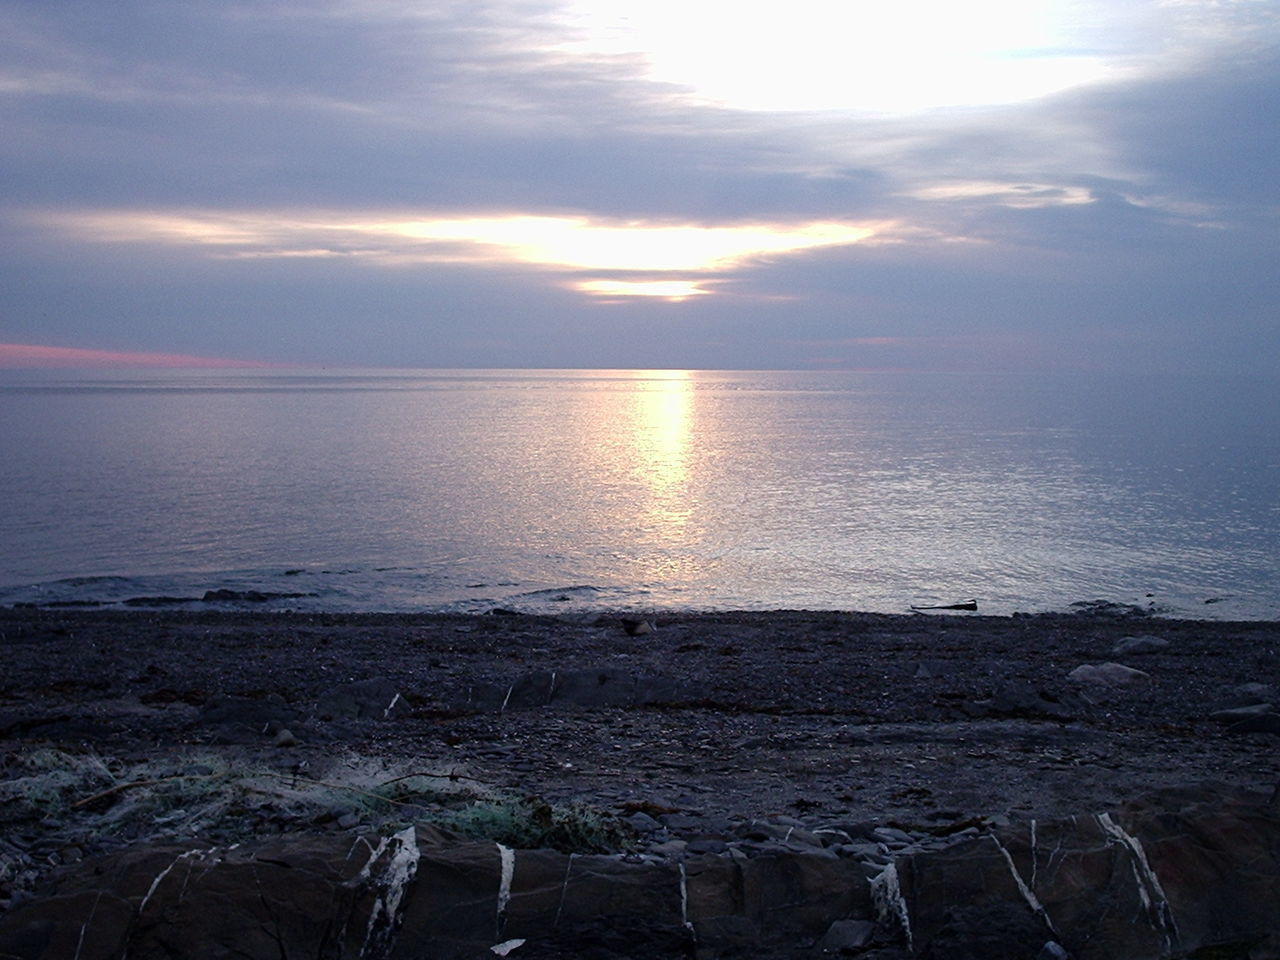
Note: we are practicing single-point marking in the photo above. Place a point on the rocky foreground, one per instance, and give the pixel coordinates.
(786, 784)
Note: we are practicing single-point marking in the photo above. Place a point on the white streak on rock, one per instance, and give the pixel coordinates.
(508, 858)
(684, 901)
(165, 872)
(1027, 893)
(1034, 852)
(502, 949)
(85, 926)
(551, 690)
(891, 906)
(374, 853)
(368, 846)
(506, 699)
(1150, 891)
(402, 864)
(564, 890)
(391, 706)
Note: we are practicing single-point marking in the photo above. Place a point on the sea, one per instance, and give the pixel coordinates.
(550, 491)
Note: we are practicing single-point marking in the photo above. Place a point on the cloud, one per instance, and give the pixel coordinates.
(337, 178)
(576, 243)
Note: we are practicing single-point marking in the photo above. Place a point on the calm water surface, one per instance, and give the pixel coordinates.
(404, 490)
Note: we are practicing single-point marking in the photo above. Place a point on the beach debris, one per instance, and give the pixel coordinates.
(636, 628)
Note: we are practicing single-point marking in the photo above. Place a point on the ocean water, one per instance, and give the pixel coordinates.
(556, 490)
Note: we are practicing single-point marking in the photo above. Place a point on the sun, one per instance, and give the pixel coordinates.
(863, 55)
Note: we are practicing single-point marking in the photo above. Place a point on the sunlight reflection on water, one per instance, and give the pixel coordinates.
(405, 489)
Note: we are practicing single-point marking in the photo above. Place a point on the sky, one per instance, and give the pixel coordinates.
(920, 184)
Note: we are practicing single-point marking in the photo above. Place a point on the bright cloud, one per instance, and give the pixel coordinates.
(675, 290)
(564, 243)
(1017, 195)
(879, 57)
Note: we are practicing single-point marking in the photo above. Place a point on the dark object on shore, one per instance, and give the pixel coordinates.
(962, 605)
(636, 628)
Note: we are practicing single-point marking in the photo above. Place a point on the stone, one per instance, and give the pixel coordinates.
(1236, 714)
(245, 720)
(1248, 693)
(1024, 700)
(980, 931)
(285, 738)
(1139, 645)
(851, 935)
(641, 822)
(1109, 675)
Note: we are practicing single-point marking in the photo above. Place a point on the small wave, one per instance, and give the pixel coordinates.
(576, 592)
(90, 581)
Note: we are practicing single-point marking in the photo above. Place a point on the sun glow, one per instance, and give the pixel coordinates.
(633, 245)
(556, 243)
(896, 57)
(674, 290)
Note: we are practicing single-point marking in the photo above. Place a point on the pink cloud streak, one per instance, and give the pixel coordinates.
(34, 355)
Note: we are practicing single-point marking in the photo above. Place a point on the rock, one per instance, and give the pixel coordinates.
(243, 720)
(421, 892)
(982, 931)
(285, 738)
(1108, 608)
(1237, 714)
(1018, 698)
(1109, 674)
(1177, 875)
(374, 699)
(1261, 691)
(641, 822)
(1248, 694)
(848, 935)
(1139, 645)
(1185, 874)
(636, 628)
